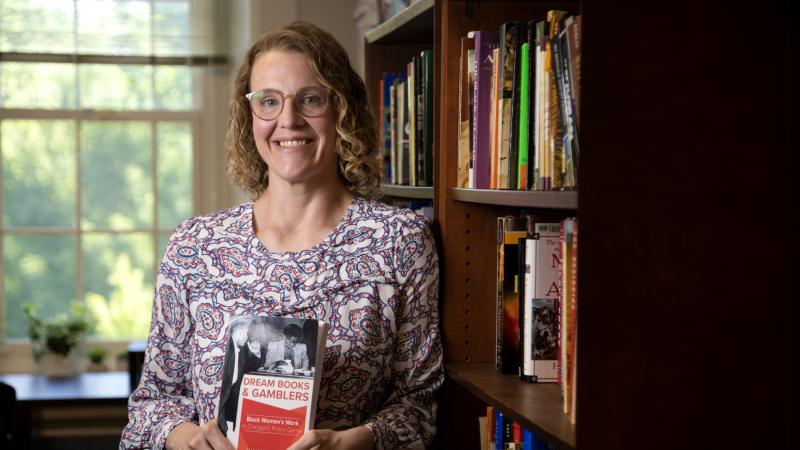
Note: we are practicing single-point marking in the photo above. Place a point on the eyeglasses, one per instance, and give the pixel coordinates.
(267, 104)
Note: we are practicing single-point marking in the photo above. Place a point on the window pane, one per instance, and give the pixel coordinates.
(53, 30)
(116, 175)
(38, 270)
(114, 28)
(174, 87)
(161, 246)
(37, 85)
(38, 158)
(174, 173)
(122, 87)
(172, 26)
(118, 283)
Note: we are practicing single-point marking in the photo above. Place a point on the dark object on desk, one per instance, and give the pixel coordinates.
(8, 398)
(135, 361)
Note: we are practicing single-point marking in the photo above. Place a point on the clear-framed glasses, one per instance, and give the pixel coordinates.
(267, 104)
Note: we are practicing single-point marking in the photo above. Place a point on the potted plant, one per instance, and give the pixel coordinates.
(97, 358)
(57, 342)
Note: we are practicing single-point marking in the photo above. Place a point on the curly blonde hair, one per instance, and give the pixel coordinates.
(356, 133)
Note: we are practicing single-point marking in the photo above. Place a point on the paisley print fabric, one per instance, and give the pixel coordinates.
(374, 280)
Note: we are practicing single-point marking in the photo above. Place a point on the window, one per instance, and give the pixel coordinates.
(99, 125)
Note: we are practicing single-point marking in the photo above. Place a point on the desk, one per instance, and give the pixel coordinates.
(69, 412)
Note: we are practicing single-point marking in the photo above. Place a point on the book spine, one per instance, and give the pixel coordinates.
(494, 120)
(499, 297)
(419, 118)
(411, 106)
(524, 118)
(393, 127)
(464, 141)
(427, 65)
(485, 41)
(530, 273)
(507, 53)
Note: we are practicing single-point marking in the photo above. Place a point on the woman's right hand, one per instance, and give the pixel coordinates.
(198, 437)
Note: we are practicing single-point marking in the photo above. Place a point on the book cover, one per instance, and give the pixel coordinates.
(271, 374)
(465, 73)
(485, 42)
(542, 304)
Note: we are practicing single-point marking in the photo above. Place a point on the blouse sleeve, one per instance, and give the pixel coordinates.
(164, 397)
(408, 419)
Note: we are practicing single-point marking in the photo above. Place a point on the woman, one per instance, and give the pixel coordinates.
(311, 244)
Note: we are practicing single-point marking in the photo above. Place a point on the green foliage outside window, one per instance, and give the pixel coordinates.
(84, 215)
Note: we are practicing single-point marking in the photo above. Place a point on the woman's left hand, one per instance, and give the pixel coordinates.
(358, 438)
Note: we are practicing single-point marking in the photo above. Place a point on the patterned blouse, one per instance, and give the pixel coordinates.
(374, 280)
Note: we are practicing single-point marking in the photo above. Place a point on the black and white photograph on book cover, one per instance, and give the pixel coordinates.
(264, 345)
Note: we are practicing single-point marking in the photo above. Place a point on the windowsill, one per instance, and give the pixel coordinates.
(16, 356)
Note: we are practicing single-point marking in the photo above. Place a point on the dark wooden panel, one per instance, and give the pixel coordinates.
(684, 281)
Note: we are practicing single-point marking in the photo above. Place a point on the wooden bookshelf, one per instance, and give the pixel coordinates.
(537, 407)
(420, 192)
(523, 199)
(678, 142)
(412, 24)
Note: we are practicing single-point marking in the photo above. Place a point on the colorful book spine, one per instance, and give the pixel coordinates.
(485, 42)
(524, 118)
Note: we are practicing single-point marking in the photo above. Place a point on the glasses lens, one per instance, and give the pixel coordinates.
(266, 104)
(311, 102)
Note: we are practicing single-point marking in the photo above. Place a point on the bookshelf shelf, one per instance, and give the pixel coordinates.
(423, 192)
(525, 199)
(412, 24)
(537, 407)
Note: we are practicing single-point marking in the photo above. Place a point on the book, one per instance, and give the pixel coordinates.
(518, 37)
(573, 29)
(507, 57)
(523, 126)
(411, 106)
(554, 177)
(271, 374)
(386, 83)
(510, 230)
(539, 108)
(485, 42)
(466, 78)
(494, 120)
(490, 428)
(498, 429)
(482, 433)
(403, 133)
(426, 101)
(542, 295)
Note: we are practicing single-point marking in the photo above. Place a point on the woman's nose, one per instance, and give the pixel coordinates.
(290, 117)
